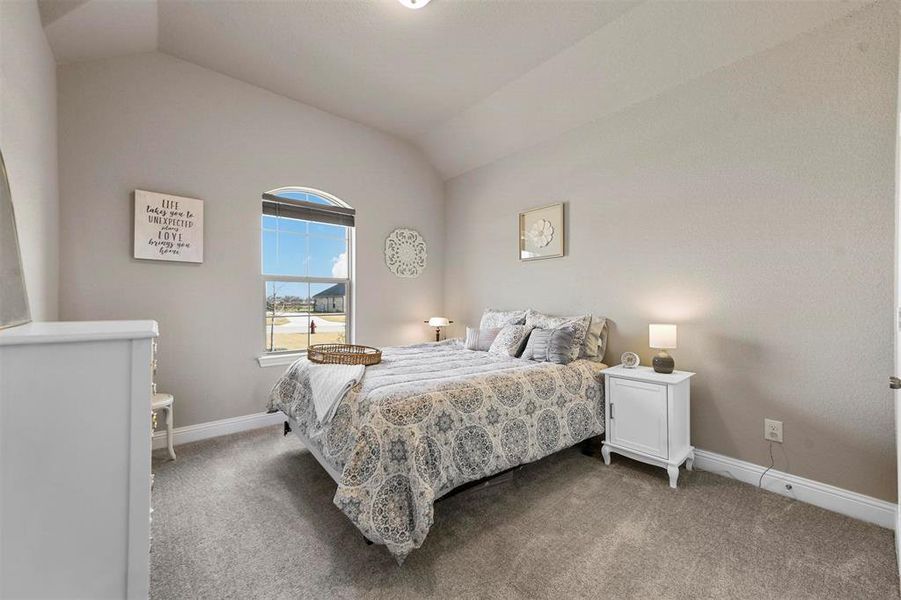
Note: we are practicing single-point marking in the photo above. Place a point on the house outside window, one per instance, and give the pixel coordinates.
(307, 251)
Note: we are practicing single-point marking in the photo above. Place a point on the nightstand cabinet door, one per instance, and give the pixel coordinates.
(638, 416)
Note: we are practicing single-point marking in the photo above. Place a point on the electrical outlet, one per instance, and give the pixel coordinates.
(772, 430)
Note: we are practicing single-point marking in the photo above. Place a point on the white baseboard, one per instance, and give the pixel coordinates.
(858, 506)
(898, 541)
(851, 504)
(203, 431)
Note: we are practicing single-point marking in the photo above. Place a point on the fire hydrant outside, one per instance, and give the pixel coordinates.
(312, 326)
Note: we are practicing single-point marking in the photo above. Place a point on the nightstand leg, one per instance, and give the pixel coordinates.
(690, 460)
(605, 452)
(673, 472)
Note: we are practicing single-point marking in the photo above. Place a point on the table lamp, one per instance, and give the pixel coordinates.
(662, 337)
(438, 323)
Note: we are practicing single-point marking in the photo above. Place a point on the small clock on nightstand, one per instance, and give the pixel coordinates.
(648, 417)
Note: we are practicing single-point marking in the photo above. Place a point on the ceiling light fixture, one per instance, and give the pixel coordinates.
(414, 4)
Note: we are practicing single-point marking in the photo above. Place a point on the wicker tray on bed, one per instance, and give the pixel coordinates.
(344, 354)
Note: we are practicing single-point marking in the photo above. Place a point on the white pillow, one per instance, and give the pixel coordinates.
(480, 339)
(510, 340)
(499, 318)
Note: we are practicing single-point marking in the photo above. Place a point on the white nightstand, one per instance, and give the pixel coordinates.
(648, 417)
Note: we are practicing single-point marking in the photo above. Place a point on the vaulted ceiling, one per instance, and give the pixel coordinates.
(403, 71)
(468, 81)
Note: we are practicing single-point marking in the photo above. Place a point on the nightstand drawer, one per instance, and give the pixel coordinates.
(638, 418)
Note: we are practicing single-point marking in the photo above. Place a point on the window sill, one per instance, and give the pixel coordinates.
(279, 360)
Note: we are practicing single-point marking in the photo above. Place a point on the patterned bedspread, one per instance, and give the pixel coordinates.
(432, 417)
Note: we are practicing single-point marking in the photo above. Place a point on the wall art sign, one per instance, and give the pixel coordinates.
(405, 253)
(168, 227)
(541, 232)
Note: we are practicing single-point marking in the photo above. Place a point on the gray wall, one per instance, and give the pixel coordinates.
(754, 207)
(157, 123)
(28, 142)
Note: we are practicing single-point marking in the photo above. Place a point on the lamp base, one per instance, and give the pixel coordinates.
(663, 363)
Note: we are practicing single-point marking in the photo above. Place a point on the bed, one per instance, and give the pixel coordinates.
(432, 417)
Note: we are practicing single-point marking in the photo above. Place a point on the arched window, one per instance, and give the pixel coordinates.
(307, 240)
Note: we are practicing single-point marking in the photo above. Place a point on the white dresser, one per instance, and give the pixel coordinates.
(75, 459)
(648, 417)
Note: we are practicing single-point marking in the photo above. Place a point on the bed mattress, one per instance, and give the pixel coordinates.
(432, 417)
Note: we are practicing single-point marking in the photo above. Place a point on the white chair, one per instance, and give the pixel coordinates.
(165, 402)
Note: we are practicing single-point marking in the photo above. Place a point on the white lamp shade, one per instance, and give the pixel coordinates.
(439, 322)
(415, 4)
(661, 336)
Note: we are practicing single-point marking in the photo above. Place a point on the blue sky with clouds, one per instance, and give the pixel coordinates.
(303, 249)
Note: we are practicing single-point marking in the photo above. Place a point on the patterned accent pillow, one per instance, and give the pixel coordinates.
(499, 318)
(480, 339)
(510, 340)
(542, 321)
(551, 345)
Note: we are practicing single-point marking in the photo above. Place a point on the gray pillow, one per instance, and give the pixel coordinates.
(510, 340)
(551, 345)
(499, 318)
(580, 323)
(480, 339)
(537, 338)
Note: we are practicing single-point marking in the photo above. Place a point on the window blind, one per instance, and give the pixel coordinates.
(278, 206)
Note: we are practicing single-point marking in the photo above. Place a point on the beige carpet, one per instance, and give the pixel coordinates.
(251, 516)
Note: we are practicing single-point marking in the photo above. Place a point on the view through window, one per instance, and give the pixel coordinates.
(307, 250)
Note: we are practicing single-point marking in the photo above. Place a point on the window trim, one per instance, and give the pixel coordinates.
(337, 202)
(279, 359)
(286, 357)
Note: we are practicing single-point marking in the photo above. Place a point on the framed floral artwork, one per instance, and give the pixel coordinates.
(541, 233)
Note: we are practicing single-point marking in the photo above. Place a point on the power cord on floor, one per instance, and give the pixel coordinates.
(767, 470)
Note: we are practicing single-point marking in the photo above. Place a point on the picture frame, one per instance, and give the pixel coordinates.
(14, 307)
(167, 227)
(542, 233)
